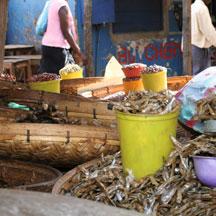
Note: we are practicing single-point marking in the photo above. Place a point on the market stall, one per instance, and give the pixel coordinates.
(133, 139)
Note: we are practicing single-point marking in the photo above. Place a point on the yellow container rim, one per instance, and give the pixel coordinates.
(148, 117)
(44, 82)
(153, 74)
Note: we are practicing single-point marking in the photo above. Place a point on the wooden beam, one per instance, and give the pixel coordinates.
(88, 37)
(186, 31)
(3, 29)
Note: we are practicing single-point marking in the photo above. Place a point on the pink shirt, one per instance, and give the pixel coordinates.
(53, 36)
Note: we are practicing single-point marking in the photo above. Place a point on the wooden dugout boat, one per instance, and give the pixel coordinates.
(92, 86)
(74, 106)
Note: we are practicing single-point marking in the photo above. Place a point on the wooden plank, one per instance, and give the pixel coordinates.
(187, 50)
(3, 29)
(90, 116)
(72, 86)
(11, 85)
(103, 92)
(88, 37)
(12, 113)
(38, 96)
(19, 49)
(34, 59)
(18, 46)
(13, 129)
(64, 102)
(14, 61)
(103, 84)
(49, 140)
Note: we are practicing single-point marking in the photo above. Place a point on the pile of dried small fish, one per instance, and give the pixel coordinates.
(127, 79)
(133, 70)
(118, 96)
(173, 190)
(206, 109)
(44, 113)
(70, 68)
(147, 102)
(153, 69)
(134, 66)
(44, 77)
(184, 134)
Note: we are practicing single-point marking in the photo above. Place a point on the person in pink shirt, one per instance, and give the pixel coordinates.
(59, 43)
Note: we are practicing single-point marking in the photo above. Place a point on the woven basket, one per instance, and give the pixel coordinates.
(58, 145)
(28, 176)
(70, 178)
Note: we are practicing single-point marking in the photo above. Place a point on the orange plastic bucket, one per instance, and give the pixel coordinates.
(132, 85)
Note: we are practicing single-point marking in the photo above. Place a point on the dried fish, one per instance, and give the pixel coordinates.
(44, 77)
(206, 108)
(147, 102)
(173, 190)
(153, 69)
(44, 113)
(70, 68)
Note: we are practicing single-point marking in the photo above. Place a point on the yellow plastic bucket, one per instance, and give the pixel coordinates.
(74, 75)
(47, 86)
(155, 82)
(145, 141)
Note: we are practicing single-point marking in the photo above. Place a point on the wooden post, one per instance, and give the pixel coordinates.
(3, 29)
(186, 32)
(88, 36)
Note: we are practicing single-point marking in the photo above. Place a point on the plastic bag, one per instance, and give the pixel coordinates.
(13, 105)
(42, 21)
(201, 86)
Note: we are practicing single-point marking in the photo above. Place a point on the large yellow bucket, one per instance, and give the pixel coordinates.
(155, 82)
(73, 75)
(47, 86)
(145, 141)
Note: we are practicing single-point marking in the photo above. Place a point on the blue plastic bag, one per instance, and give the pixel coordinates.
(42, 21)
(199, 87)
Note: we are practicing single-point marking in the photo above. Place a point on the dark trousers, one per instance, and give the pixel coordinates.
(200, 59)
(54, 59)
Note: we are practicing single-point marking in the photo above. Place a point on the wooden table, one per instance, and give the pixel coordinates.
(18, 49)
(34, 59)
(15, 65)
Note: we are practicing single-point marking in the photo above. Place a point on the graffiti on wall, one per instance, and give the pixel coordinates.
(148, 52)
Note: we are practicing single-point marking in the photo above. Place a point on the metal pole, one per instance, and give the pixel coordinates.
(88, 36)
(3, 29)
(186, 32)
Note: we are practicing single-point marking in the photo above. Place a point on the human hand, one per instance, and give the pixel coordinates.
(80, 59)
